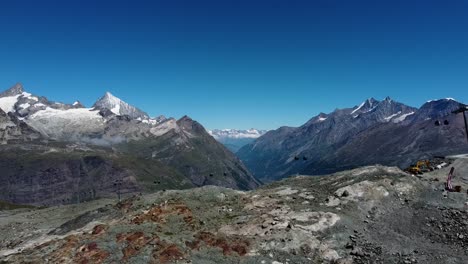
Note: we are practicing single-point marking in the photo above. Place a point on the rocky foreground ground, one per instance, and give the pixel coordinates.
(369, 215)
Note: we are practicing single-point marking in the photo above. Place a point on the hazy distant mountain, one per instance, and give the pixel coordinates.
(234, 139)
(386, 132)
(53, 153)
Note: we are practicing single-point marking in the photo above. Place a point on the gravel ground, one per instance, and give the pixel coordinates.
(372, 214)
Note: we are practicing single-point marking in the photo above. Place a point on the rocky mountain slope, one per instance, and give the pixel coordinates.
(368, 215)
(55, 153)
(384, 132)
(119, 107)
(234, 139)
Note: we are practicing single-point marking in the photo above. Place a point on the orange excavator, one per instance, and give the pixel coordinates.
(420, 167)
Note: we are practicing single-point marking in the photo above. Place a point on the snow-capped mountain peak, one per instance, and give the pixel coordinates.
(113, 102)
(445, 99)
(77, 104)
(234, 139)
(119, 107)
(236, 133)
(16, 89)
(365, 106)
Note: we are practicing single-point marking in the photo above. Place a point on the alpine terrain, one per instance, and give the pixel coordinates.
(234, 139)
(372, 214)
(375, 132)
(56, 153)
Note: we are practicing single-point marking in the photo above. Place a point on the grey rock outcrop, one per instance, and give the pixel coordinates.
(14, 90)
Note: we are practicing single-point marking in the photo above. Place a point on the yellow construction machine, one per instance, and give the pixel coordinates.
(420, 167)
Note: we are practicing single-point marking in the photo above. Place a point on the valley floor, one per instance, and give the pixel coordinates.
(369, 215)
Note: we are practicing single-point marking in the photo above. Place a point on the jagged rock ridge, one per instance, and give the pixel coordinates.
(385, 132)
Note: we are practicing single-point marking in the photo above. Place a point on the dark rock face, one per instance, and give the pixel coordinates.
(51, 180)
(195, 154)
(14, 90)
(385, 132)
(436, 109)
(12, 129)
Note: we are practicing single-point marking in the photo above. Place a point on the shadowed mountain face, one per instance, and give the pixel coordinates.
(385, 132)
(55, 153)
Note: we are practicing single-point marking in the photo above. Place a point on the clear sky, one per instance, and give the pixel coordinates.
(237, 64)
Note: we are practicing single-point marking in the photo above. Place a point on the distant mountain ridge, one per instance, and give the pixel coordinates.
(234, 139)
(55, 153)
(374, 131)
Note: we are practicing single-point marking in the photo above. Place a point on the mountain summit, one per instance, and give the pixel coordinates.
(119, 107)
(365, 106)
(375, 132)
(14, 90)
(55, 153)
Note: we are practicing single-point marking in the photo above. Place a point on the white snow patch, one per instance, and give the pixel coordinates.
(66, 123)
(388, 118)
(448, 99)
(153, 121)
(359, 107)
(25, 105)
(116, 109)
(7, 104)
(236, 133)
(113, 102)
(321, 119)
(75, 103)
(150, 121)
(402, 117)
(370, 110)
(28, 95)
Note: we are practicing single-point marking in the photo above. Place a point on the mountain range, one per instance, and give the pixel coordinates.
(385, 132)
(234, 139)
(56, 153)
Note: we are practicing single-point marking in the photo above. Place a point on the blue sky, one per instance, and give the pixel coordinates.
(237, 64)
